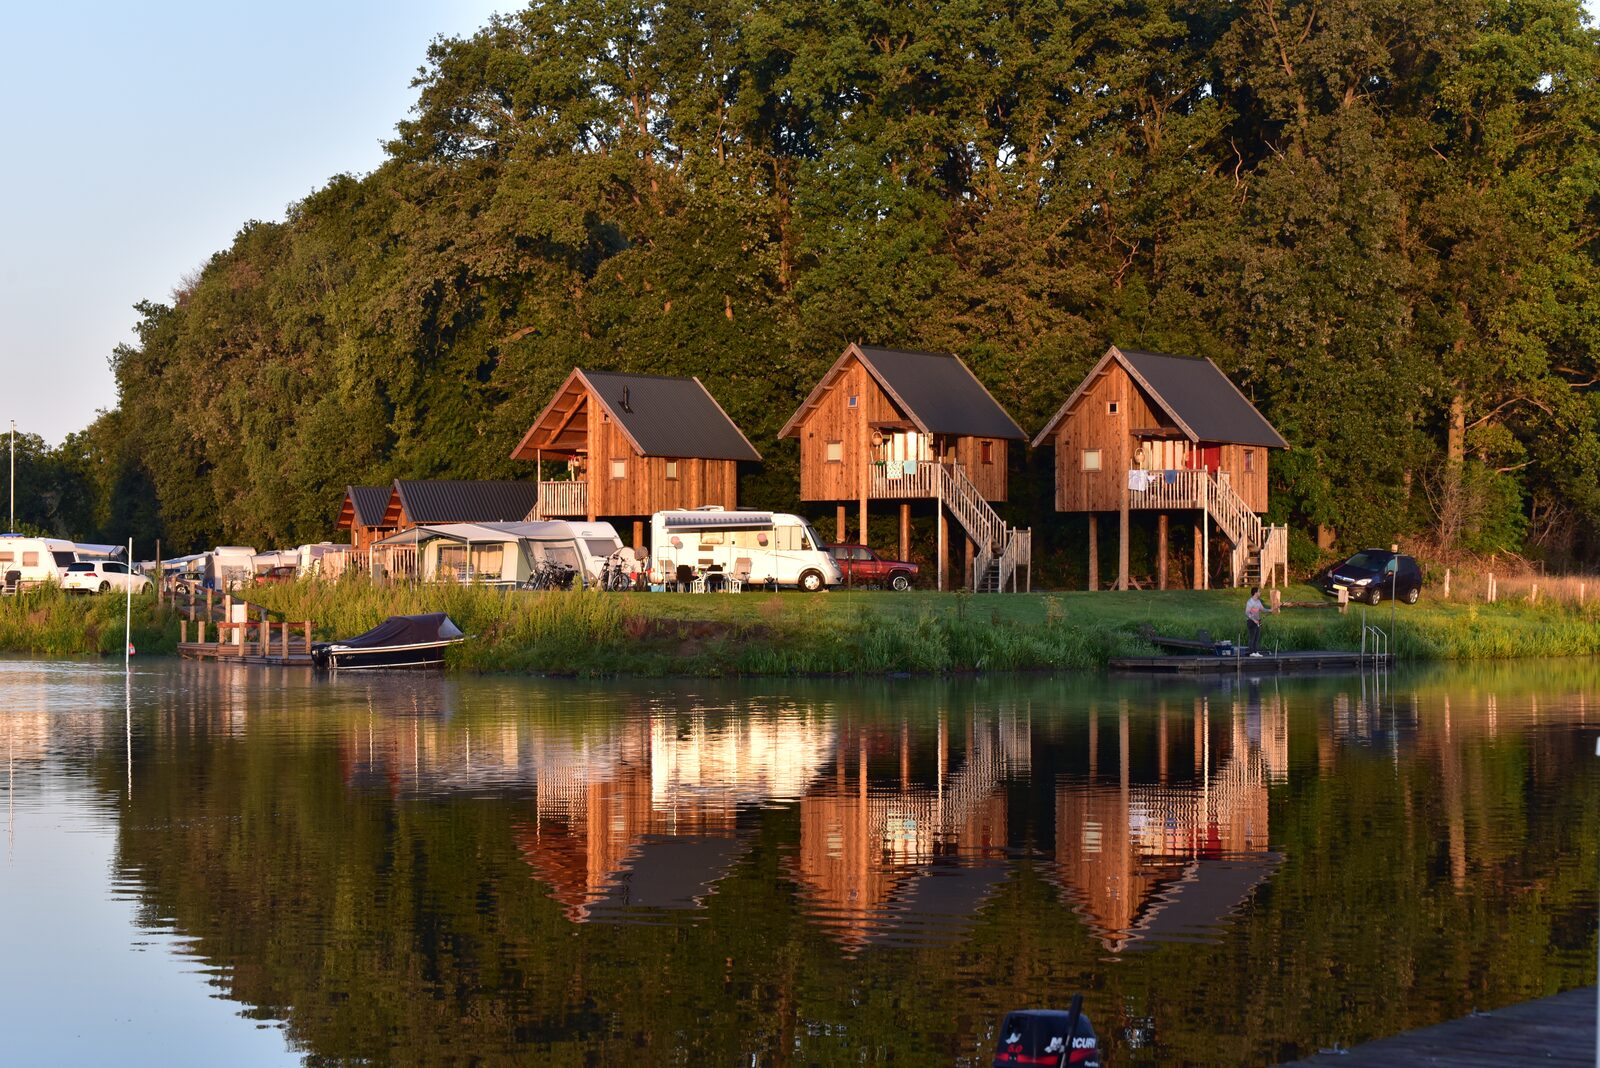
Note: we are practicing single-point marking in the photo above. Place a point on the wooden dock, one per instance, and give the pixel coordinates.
(251, 641)
(1557, 1031)
(1265, 664)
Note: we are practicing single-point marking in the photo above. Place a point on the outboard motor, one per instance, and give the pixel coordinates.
(1048, 1037)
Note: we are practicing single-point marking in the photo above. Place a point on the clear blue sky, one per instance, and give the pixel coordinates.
(142, 136)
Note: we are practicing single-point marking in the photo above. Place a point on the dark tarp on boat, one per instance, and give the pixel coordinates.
(407, 630)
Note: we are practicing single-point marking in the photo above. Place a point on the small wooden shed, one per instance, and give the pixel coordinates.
(1153, 431)
(631, 445)
(897, 424)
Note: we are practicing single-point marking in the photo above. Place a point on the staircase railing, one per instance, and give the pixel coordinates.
(1215, 494)
(995, 540)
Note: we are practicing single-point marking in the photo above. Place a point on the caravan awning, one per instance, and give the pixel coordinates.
(717, 520)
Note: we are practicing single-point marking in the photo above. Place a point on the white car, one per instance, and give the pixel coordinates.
(100, 576)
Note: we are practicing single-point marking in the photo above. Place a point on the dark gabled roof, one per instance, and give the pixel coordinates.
(670, 416)
(935, 390)
(1203, 401)
(660, 416)
(463, 502)
(365, 504)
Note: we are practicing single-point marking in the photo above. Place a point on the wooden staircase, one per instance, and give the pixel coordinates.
(1002, 548)
(1260, 551)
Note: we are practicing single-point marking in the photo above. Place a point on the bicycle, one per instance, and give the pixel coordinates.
(549, 575)
(614, 576)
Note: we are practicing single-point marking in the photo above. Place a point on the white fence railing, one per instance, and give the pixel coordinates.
(1216, 495)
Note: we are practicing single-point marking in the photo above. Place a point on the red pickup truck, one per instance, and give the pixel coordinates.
(863, 567)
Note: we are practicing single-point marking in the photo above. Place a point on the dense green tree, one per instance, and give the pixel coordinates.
(1378, 217)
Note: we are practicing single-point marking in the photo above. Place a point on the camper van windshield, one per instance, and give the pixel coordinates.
(813, 539)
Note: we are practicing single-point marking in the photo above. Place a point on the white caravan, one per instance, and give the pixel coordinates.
(36, 560)
(505, 554)
(228, 566)
(760, 548)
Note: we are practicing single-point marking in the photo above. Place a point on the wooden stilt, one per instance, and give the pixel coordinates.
(638, 537)
(968, 552)
(1199, 565)
(905, 530)
(1122, 538)
(838, 526)
(1161, 551)
(864, 540)
(944, 542)
(1094, 551)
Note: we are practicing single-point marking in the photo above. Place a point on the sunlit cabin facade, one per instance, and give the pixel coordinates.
(628, 446)
(903, 425)
(362, 514)
(1149, 431)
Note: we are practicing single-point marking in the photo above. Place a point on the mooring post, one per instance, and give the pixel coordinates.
(284, 643)
(307, 625)
(200, 639)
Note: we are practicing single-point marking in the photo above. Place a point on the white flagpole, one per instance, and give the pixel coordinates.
(127, 626)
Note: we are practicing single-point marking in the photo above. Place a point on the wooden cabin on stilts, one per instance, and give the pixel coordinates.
(890, 424)
(1146, 431)
(628, 446)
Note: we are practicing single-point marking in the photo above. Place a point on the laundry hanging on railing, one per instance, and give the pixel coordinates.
(1138, 480)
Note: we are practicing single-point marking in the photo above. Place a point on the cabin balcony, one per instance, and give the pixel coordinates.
(899, 480)
(563, 498)
(1168, 490)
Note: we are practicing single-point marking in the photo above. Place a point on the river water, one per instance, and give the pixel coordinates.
(214, 864)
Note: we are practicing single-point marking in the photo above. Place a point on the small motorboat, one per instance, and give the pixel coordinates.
(397, 642)
(1048, 1037)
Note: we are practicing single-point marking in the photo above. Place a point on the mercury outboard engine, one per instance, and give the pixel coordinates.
(1048, 1037)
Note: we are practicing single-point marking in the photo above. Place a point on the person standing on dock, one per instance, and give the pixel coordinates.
(1252, 619)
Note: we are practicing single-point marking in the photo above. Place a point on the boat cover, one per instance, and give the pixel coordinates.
(406, 630)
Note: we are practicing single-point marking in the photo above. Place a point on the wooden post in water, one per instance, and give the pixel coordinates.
(200, 639)
(183, 632)
(238, 636)
(266, 635)
(284, 643)
(1094, 551)
(308, 635)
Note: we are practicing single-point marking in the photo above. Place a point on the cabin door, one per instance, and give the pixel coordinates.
(1206, 458)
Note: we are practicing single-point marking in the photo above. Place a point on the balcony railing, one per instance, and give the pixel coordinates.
(563, 498)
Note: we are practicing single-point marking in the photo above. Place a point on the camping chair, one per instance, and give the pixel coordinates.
(741, 574)
(13, 582)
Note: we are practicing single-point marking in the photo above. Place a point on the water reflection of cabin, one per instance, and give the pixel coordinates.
(629, 445)
(362, 514)
(891, 424)
(1150, 431)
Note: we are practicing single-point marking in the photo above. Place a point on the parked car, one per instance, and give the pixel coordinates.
(280, 573)
(1373, 574)
(100, 576)
(863, 567)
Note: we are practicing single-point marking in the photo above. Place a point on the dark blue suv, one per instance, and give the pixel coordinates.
(1372, 575)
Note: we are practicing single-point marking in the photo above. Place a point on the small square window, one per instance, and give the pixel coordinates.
(853, 400)
(1091, 459)
(1113, 407)
(1249, 461)
(986, 452)
(836, 452)
(619, 469)
(672, 469)
(30, 559)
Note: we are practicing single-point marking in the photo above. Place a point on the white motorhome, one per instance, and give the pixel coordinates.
(763, 548)
(36, 560)
(228, 566)
(310, 560)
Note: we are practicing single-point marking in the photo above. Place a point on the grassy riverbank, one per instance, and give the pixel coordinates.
(919, 632)
(837, 634)
(50, 623)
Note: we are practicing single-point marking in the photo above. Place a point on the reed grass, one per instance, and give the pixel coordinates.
(49, 622)
(595, 634)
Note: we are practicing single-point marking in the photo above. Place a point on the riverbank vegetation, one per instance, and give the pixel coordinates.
(1378, 223)
(656, 635)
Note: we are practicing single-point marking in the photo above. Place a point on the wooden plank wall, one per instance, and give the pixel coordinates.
(1090, 426)
(834, 420)
(646, 488)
